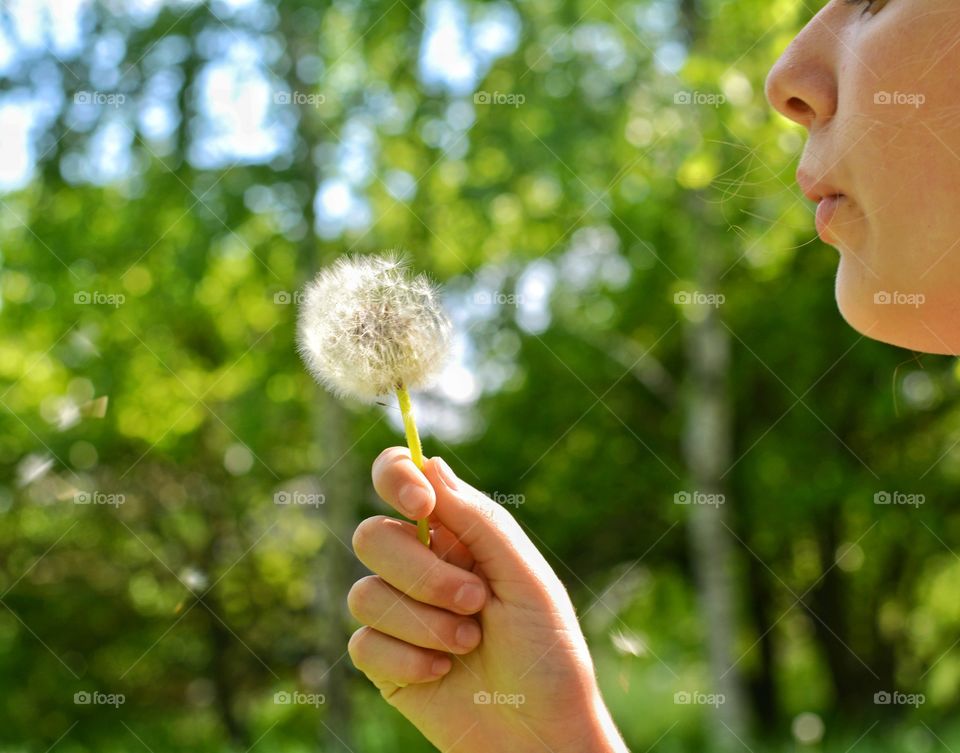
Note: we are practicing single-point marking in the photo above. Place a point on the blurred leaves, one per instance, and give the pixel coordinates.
(564, 227)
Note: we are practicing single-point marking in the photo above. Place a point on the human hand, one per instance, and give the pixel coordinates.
(475, 639)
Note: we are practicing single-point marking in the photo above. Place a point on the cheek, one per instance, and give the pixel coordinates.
(902, 75)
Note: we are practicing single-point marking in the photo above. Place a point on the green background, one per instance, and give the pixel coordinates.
(567, 229)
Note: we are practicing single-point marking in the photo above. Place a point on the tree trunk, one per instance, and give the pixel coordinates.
(337, 573)
(336, 564)
(707, 441)
(338, 480)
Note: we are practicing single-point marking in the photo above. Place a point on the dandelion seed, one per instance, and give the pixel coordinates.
(368, 327)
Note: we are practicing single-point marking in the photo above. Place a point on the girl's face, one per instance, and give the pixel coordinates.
(877, 85)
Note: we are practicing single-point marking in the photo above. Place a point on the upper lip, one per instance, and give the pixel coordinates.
(816, 190)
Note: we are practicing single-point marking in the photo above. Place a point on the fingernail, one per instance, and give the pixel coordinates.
(441, 665)
(468, 634)
(413, 499)
(446, 474)
(469, 597)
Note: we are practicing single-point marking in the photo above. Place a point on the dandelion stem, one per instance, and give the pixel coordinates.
(416, 451)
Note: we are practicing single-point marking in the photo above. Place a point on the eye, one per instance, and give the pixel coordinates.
(872, 5)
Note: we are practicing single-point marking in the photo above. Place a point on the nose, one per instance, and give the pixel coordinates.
(802, 84)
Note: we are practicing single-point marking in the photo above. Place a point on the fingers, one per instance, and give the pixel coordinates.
(384, 658)
(389, 547)
(401, 484)
(448, 548)
(491, 534)
(374, 602)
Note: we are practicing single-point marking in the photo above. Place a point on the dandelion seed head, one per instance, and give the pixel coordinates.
(368, 325)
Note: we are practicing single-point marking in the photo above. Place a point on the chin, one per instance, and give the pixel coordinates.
(910, 321)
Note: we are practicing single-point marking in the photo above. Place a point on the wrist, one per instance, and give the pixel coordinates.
(600, 734)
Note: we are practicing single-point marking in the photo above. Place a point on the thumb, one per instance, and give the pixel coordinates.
(494, 537)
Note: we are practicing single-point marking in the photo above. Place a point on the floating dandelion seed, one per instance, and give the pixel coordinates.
(369, 327)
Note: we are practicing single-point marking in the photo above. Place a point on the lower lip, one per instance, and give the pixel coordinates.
(826, 211)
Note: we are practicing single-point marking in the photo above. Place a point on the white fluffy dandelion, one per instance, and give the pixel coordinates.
(369, 327)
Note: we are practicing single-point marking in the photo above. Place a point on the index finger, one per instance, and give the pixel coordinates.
(402, 485)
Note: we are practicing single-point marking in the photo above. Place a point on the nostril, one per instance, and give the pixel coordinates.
(798, 105)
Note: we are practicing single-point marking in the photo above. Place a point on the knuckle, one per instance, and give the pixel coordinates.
(365, 533)
(500, 516)
(356, 645)
(359, 597)
(483, 505)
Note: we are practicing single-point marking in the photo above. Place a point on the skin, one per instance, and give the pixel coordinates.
(531, 649)
(899, 167)
(898, 163)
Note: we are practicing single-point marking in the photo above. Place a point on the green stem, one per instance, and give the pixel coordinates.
(416, 451)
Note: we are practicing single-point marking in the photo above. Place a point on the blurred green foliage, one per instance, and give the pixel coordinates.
(198, 598)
